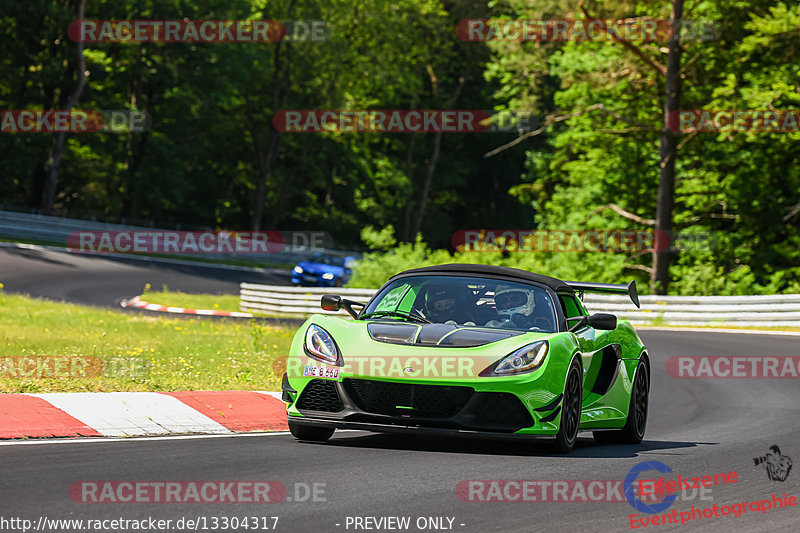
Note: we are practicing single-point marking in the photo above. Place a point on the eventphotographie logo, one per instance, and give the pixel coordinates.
(777, 466)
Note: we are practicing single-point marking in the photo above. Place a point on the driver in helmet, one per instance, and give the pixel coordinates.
(515, 305)
(445, 304)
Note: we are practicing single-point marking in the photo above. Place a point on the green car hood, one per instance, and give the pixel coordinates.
(417, 351)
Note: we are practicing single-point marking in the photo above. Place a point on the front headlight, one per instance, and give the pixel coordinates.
(298, 269)
(327, 275)
(526, 359)
(319, 345)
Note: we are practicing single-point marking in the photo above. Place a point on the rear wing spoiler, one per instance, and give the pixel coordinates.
(607, 288)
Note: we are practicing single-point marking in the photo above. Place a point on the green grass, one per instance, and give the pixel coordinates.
(215, 302)
(31, 240)
(139, 352)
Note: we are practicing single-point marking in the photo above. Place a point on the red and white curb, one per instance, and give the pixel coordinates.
(140, 304)
(119, 414)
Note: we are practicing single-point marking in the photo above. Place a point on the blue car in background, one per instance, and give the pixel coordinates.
(324, 270)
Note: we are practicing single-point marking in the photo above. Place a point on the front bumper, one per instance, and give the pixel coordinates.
(312, 280)
(384, 405)
(413, 429)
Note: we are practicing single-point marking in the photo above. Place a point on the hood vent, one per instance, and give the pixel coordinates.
(442, 335)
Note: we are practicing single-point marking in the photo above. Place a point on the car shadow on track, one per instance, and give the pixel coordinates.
(585, 447)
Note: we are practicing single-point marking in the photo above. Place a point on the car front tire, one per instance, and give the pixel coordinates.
(570, 410)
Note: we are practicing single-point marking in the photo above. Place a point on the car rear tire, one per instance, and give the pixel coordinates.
(570, 410)
(636, 424)
(312, 433)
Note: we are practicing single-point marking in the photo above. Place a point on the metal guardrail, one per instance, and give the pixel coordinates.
(57, 229)
(49, 228)
(756, 311)
(293, 301)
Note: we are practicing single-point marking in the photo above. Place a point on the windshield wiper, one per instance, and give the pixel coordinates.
(407, 316)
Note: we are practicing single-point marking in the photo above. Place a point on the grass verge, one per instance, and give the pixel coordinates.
(215, 302)
(138, 352)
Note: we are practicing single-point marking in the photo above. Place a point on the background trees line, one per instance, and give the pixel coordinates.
(212, 158)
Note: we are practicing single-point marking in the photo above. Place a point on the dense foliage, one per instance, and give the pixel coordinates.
(212, 157)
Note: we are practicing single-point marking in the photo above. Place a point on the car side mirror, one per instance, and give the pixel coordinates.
(331, 302)
(603, 321)
(334, 302)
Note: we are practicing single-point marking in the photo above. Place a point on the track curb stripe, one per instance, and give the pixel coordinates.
(137, 303)
(22, 416)
(120, 414)
(239, 411)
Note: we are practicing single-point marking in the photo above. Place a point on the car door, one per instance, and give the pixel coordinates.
(601, 366)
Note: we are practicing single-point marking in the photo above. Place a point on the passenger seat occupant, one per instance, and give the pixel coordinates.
(515, 307)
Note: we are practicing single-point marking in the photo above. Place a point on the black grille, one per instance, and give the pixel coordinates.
(320, 395)
(430, 401)
(499, 410)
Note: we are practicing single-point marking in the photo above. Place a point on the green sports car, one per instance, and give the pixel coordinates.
(470, 349)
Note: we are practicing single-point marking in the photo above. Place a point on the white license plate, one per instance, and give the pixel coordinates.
(323, 372)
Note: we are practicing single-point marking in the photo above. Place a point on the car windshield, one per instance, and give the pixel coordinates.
(466, 301)
(328, 260)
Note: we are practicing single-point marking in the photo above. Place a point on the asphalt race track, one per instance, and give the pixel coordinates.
(696, 427)
(104, 280)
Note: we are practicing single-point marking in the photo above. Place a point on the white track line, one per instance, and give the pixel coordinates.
(92, 440)
(720, 330)
(85, 440)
